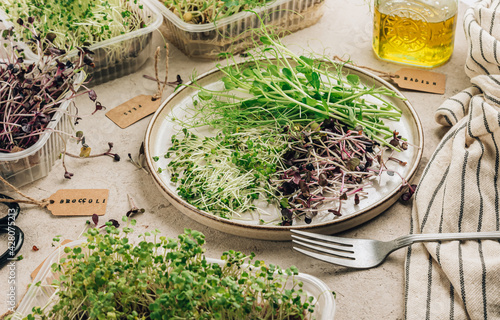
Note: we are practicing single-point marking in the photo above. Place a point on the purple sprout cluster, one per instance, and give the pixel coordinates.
(31, 93)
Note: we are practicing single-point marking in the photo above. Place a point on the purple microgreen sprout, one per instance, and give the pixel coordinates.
(173, 84)
(327, 165)
(405, 197)
(95, 219)
(85, 152)
(32, 93)
(133, 208)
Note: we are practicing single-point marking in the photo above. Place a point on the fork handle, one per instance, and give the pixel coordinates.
(426, 237)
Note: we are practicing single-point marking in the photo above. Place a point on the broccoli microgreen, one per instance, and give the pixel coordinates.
(225, 174)
(111, 277)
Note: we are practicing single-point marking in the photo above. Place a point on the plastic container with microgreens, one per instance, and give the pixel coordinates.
(118, 32)
(61, 269)
(37, 110)
(208, 38)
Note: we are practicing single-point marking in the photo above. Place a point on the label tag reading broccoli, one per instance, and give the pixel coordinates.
(133, 110)
(420, 80)
(79, 202)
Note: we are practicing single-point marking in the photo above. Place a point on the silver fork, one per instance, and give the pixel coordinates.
(365, 253)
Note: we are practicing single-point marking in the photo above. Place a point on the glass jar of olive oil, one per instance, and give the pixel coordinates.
(414, 32)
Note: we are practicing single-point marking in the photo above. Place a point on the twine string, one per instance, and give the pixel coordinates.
(382, 74)
(44, 203)
(161, 87)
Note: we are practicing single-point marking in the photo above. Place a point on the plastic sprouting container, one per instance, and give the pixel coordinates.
(121, 55)
(22, 167)
(233, 34)
(44, 294)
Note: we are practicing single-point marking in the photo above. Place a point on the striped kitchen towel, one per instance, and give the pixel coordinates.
(459, 191)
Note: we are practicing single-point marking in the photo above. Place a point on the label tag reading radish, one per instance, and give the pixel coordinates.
(79, 202)
(420, 80)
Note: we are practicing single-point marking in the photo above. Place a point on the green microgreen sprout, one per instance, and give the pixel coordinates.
(111, 276)
(56, 239)
(69, 24)
(224, 174)
(209, 11)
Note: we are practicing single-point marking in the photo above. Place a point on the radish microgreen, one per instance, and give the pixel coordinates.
(31, 93)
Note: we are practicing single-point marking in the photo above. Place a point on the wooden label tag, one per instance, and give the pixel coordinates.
(133, 110)
(79, 202)
(420, 80)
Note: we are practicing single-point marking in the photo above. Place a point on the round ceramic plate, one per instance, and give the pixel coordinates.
(384, 192)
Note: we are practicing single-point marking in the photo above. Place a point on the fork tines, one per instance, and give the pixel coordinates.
(339, 250)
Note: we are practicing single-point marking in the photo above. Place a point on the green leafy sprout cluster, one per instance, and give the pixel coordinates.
(108, 277)
(73, 23)
(240, 164)
(208, 11)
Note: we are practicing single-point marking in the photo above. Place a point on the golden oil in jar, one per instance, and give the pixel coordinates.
(413, 32)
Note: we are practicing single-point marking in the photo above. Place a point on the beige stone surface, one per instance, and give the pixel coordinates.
(344, 30)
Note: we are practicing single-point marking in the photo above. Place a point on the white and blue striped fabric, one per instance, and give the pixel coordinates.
(459, 191)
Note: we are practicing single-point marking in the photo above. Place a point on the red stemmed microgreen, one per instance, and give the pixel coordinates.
(409, 192)
(85, 151)
(31, 93)
(327, 164)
